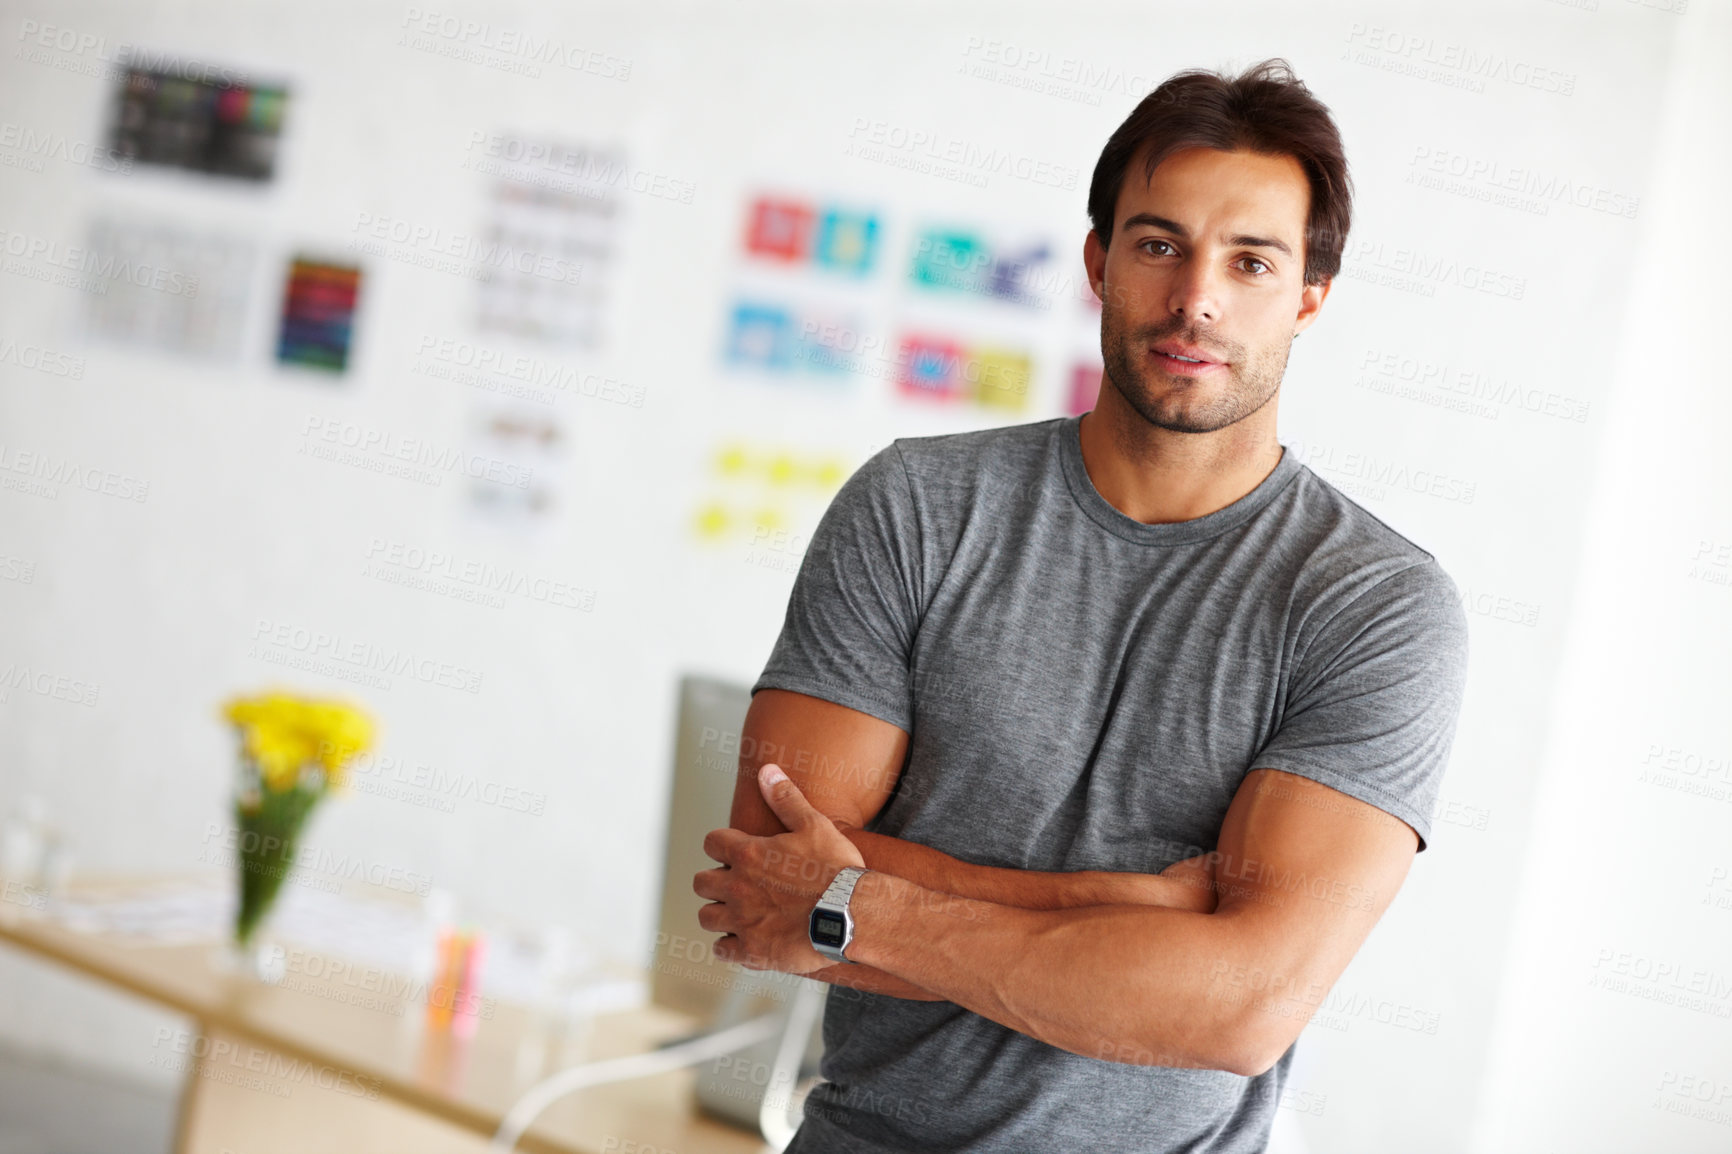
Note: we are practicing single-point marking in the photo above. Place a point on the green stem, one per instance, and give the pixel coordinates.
(266, 852)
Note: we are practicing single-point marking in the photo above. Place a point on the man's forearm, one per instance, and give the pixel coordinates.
(980, 887)
(1136, 984)
(1030, 889)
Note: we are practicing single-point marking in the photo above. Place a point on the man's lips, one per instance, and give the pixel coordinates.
(1184, 360)
(1175, 350)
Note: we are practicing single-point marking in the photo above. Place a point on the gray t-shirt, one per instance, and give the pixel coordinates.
(1086, 692)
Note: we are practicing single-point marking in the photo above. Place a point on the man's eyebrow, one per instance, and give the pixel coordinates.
(1180, 230)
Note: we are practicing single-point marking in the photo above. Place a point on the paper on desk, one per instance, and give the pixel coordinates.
(166, 914)
(393, 936)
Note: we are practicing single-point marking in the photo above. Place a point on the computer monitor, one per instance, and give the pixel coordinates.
(685, 975)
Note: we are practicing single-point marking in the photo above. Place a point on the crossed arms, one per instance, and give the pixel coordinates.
(1215, 963)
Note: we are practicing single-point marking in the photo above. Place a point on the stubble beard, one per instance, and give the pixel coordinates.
(1182, 404)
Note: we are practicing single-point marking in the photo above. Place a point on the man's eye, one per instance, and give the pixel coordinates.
(1147, 243)
(1261, 268)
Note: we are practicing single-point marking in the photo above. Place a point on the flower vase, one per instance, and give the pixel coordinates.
(292, 752)
(255, 961)
(268, 824)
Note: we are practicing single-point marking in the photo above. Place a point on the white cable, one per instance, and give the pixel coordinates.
(544, 1094)
(773, 1114)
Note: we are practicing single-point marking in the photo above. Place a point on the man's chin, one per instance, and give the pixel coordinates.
(1186, 424)
(1195, 418)
(1180, 416)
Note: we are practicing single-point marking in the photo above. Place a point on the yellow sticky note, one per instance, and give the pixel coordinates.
(999, 377)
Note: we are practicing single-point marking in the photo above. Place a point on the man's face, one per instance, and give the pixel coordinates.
(1206, 261)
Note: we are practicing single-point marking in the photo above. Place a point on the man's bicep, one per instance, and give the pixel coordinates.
(846, 762)
(1307, 871)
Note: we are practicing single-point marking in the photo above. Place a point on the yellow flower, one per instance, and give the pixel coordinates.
(282, 733)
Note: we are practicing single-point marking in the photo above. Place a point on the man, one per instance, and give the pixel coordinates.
(1134, 723)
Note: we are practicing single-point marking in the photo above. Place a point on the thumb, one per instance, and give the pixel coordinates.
(785, 798)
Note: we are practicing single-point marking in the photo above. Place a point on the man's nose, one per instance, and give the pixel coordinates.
(1195, 293)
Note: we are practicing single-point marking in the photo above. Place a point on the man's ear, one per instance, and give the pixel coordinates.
(1095, 264)
(1310, 304)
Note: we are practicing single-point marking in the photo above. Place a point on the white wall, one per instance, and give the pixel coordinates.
(1614, 1029)
(158, 602)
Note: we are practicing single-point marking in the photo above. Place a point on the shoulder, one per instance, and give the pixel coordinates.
(930, 488)
(998, 453)
(1348, 561)
(932, 480)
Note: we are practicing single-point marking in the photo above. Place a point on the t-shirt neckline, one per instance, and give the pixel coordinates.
(1104, 514)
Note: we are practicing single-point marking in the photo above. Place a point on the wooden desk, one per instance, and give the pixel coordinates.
(323, 1062)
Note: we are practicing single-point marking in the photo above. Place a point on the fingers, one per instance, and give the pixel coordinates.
(712, 884)
(714, 917)
(784, 798)
(731, 950)
(722, 844)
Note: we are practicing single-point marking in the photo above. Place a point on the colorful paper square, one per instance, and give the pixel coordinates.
(949, 260)
(847, 241)
(780, 229)
(929, 367)
(761, 335)
(1085, 387)
(318, 315)
(1000, 378)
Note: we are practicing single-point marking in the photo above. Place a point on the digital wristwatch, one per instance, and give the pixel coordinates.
(831, 927)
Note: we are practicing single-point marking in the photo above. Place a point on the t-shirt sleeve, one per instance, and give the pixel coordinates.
(849, 631)
(1375, 697)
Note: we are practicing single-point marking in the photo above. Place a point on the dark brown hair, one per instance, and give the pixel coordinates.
(1265, 109)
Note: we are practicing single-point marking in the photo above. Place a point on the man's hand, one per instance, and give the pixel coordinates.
(765, 889)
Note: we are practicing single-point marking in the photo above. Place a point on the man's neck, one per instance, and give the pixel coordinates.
(1158, 477)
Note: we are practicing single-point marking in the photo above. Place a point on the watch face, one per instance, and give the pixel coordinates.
(827, 928)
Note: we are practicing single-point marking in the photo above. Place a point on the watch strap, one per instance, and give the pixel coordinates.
(841, 888)
(835, 899)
